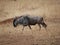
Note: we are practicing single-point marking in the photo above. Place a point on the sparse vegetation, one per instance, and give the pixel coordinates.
(49, 9)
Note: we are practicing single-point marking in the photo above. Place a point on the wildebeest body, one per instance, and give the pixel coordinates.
(29, 20)
(35, 20)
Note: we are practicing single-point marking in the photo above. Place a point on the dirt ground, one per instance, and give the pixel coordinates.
(49, 9)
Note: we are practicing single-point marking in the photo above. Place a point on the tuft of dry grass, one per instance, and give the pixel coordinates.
(49, 9)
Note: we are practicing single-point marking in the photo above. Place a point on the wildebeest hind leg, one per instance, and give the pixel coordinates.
(39, 27)
(29, 26)
(23, 28)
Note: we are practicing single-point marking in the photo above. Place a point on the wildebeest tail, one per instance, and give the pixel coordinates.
(44, 25)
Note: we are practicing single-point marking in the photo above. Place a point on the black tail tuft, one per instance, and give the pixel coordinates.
(44, 25)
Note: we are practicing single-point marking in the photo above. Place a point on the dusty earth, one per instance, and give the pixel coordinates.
(49, 9)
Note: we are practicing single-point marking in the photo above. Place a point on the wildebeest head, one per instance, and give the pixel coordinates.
(22, 20)
(15, 22)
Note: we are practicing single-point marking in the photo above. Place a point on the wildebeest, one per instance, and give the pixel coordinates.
(28, 20)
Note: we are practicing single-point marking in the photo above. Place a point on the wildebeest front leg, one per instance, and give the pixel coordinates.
(29, 26)
(39, 26)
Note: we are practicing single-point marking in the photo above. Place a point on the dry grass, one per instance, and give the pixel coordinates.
(14, 36)
(49, 9)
